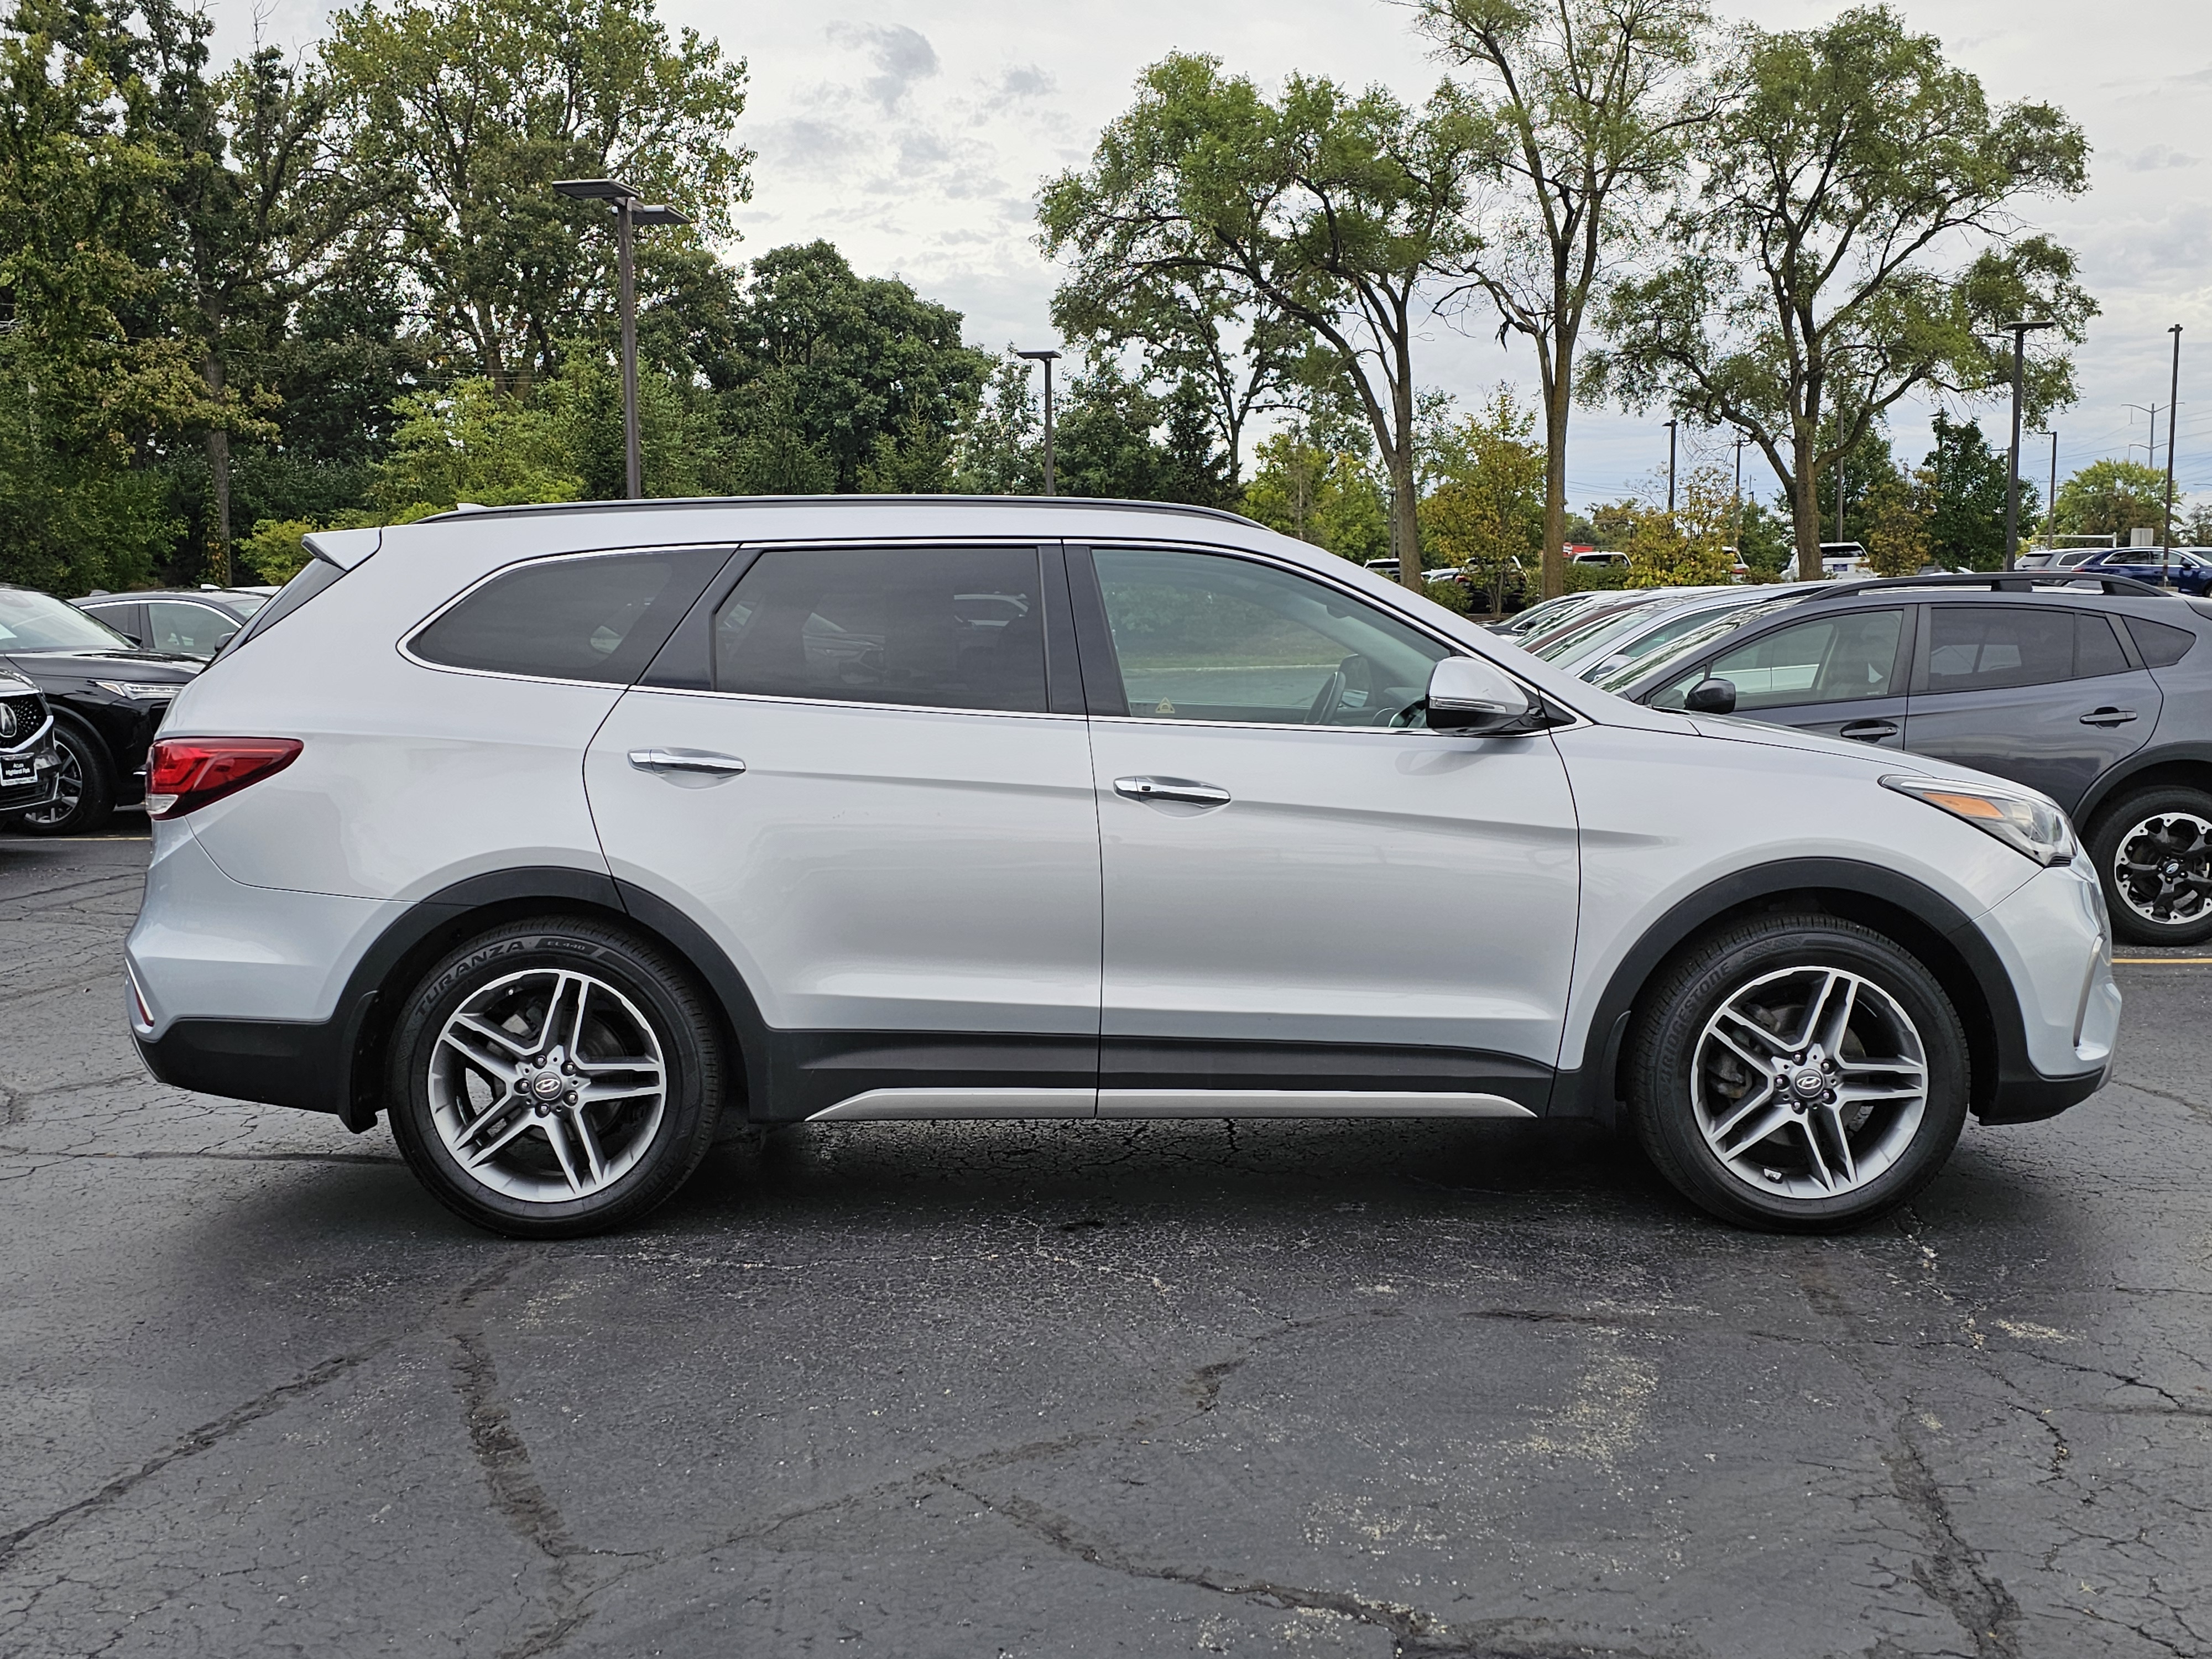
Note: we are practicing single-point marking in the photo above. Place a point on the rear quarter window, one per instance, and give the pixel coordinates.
(2161, 644)
(596, 616)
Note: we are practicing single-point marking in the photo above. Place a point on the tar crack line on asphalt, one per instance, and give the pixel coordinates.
(214, 1433)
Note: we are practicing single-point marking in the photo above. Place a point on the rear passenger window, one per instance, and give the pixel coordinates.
(2096, 647)
(599, 616)
(2161, 646)
(1987, 648)
(928, 626)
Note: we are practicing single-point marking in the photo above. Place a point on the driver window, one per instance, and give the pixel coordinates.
(1833, 660)
(1203, 636)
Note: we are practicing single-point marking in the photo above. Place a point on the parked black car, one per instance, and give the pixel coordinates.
(30, 767)
(2097, 692)
(187, 621)
(107, 697)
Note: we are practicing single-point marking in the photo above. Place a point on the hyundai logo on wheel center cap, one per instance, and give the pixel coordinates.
(546, 1085)
(1808, 1082)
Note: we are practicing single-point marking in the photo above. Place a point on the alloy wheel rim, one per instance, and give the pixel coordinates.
(548, 1085)
(68, 791)
(2163, 869)
(1809, 1083)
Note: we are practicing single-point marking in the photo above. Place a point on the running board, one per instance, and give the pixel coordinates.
(892, 1105)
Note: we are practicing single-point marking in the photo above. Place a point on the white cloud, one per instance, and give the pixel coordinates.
(2157, 158)
(903, 56)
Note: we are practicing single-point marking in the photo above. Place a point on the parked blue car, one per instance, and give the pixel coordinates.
(2186, 569)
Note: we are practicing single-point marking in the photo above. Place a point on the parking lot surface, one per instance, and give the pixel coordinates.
(1363, 1388)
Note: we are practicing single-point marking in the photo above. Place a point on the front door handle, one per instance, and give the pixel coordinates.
(686, 760)
(1181, 789)
(2108, 716)
(1868, 730)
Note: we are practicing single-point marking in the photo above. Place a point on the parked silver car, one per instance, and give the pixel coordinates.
(559, 834)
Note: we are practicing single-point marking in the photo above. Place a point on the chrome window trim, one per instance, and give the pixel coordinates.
(845, 703)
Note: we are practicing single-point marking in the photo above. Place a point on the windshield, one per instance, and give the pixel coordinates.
(1663, 632)
(244, 605)
(1688, 645)
(39, 622)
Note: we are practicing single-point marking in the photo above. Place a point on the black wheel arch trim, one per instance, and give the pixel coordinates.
(2151, 758)
(2006, 1087)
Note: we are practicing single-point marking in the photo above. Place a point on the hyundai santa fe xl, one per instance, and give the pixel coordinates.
(560, 834)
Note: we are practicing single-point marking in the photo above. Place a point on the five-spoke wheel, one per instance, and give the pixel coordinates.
(1798, 1071)
(555, 1077)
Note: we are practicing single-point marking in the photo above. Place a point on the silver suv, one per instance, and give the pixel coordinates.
(559, 834)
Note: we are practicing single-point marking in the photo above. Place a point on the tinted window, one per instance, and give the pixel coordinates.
(934, 626)
(1987, 647)
(1829, 660)
(196, 630)
(2096, 647)
(2161, 646)
(599, 617)
(1203, 636)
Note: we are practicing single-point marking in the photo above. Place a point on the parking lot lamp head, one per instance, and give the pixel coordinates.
(630, 211)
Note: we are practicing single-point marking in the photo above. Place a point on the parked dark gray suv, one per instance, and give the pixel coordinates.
(2097, 692)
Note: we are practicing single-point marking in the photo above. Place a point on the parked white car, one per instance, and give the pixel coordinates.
(560, 834)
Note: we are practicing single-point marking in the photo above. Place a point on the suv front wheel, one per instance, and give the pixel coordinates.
(555, 1077)
(1799, 1072)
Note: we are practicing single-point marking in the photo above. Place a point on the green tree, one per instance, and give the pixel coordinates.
(1488, 512)
(1348, 215)
(472, 108)
(1901, 511)
(2111, 498)
(469, 443)
(867, 373)
(1328, 496)
(1763, 541)
(1689, 547)
(1856, 239)
(1966, 527)
(1588, 105)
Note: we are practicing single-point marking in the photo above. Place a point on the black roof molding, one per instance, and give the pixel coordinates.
(692, 503)
(2000, 582)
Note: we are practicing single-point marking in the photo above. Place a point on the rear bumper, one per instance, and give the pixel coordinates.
(277, 1062)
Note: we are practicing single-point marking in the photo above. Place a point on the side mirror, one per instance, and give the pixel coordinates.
(1466, 694)
(1711, 697)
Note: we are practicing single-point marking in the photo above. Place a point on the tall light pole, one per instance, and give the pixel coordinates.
(1671, 425)
(1047, 358)
(630, 211)
(2172, 428)
(1740, 441)
(2020, 331)
(2051, 502)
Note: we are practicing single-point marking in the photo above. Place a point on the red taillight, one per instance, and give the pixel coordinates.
(185, 773)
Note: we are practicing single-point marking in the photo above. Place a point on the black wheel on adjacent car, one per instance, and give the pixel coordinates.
(555, 1077)
(2153, 854)
(86, 798)
(1798, 1072)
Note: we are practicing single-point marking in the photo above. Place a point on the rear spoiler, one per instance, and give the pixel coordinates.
(343, 548)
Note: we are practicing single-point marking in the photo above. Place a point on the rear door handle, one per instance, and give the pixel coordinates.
(685, 760)
(1181, 789)
(1868, 730)
(2108, 716)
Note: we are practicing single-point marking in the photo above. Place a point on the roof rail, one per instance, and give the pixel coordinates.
(1998, 581)
(470, 509)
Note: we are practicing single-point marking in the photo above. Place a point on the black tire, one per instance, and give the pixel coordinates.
(2175, 818)
(1672, 1021)
(661, 1153)
(87, 784)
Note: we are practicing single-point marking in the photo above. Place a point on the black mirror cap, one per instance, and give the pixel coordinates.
(1711, 697)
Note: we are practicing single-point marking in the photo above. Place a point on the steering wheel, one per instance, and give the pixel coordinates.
(1327, 699)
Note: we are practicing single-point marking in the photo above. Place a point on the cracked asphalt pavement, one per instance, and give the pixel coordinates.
(1363, 1388)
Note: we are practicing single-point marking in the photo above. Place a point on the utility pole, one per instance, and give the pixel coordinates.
(1047, 358)
(2150, 444)
(2051, 502)
(631, 211)
(2020, 331)
(1842, 477)
(2172, 428)
(1671, 425)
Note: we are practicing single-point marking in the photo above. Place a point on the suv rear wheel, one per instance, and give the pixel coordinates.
(2154, 855)
(555, 1077)
(1800, 1073)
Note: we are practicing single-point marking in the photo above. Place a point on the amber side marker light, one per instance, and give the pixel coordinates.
(185, 773)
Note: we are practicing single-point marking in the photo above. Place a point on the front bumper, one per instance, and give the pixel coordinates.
(19, 792)
(2055, 945)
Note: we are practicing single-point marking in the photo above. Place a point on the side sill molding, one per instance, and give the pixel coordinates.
(1302, 1103)
(891, 1105)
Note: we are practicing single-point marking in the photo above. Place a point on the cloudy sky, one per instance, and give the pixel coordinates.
(913, 135)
